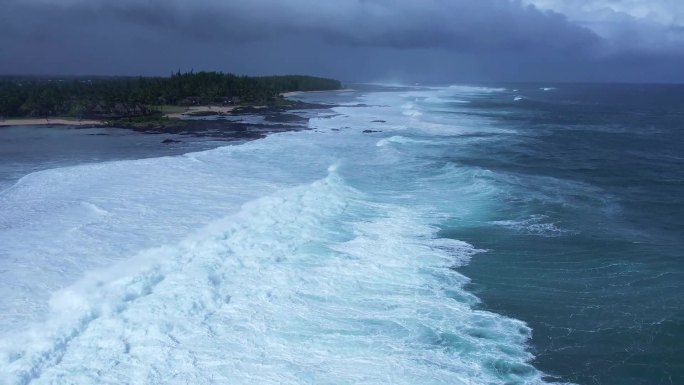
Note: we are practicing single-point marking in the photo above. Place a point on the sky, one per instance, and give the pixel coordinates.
(352, 40)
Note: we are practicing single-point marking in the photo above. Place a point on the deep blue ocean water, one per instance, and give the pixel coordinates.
(593, 260)
(498, 234)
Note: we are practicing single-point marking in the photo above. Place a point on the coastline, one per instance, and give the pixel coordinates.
(52, 122)
(177, 126)
(189, 112)
(216, 121)
(168, 120)
(173, 120)
(201, 111)
(295, 93)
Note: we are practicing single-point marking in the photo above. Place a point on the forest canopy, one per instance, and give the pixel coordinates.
(122, 96)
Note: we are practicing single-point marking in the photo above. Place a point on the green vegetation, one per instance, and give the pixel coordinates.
(143, 96)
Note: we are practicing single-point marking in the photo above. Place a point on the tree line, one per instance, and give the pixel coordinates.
(80, 97)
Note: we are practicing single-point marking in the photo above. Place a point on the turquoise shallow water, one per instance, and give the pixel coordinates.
(518, 234)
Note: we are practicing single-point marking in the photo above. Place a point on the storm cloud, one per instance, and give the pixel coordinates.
(655, 26)
(356, 39)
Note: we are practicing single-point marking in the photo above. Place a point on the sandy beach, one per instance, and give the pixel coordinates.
(289, 94)
(187, 113)
(190, 111)
(295, 93)
(49, 122)
(198, 110)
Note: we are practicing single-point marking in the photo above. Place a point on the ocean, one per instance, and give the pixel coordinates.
(507, 234)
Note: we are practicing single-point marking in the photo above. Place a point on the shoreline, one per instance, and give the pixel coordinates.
(218, 122)
(296, 93)
(195, 111)
(52, 122)
(176, 121)
(184, 116)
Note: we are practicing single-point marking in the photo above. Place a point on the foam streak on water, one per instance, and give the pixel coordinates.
(304, 258)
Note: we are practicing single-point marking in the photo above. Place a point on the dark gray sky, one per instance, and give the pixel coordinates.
(353, 40)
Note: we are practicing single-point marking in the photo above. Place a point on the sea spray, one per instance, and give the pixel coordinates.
(306, 257)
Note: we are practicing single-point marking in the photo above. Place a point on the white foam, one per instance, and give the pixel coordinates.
(398, 139)
(307, 257)
(70, 220)
(475, 89)
(534, 225)
(279, 293)
(439, 100)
